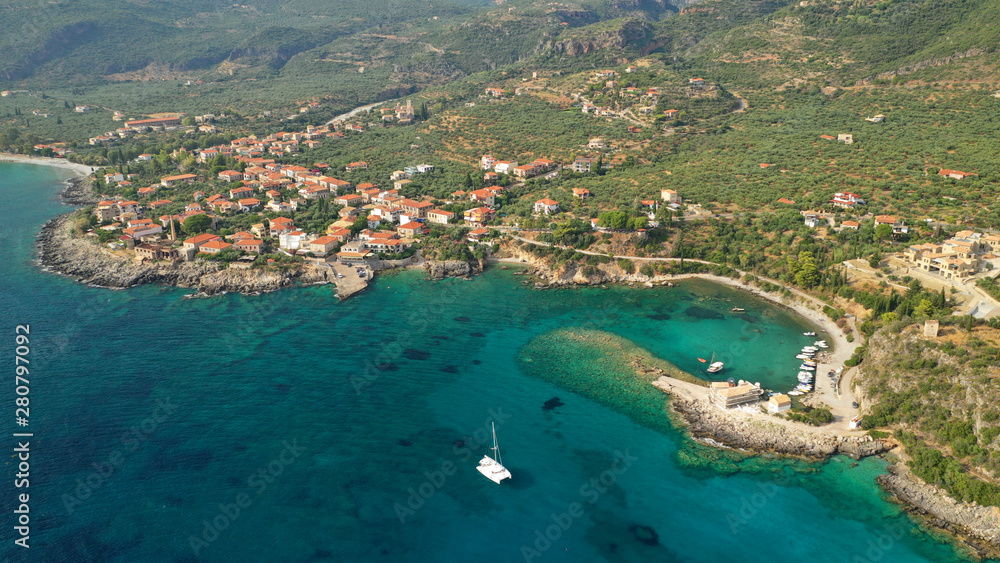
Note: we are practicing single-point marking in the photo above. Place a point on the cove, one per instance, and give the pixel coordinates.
(383, 391)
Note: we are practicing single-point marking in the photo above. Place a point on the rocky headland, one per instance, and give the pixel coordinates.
(61, 252)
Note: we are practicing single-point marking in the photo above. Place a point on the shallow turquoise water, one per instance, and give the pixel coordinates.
(384, 397)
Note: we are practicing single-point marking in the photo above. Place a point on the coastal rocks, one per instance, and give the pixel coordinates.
(976, 526)
(706, 421)
(452, 269)
(78, 192)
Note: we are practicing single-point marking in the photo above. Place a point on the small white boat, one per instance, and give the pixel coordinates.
(716, 367)
(805, 373)
(804, 357)
(808, 334)
(804, 379)
(491, 467)
(807, 368)
(796, 393)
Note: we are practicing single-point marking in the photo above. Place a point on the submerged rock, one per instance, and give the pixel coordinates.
(552, 403)
(645, 534)
(415, 354)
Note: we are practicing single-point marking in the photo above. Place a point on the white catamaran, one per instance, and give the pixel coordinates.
(491, 467)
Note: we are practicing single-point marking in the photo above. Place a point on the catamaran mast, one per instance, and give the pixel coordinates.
(496, 447)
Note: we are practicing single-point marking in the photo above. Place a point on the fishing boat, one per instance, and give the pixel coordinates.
(804, 378)
(738, 310)
(795, 393)
(812, 349)
(492, 467)
(803, 356)
(808, 334)
(805, 367)
(716, 367)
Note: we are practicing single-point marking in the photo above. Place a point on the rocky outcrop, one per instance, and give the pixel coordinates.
(706, 421)
(63, 253)
(978, 527)
(440, 269)
(631, 31)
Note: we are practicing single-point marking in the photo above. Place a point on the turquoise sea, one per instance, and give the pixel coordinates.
(292, 427)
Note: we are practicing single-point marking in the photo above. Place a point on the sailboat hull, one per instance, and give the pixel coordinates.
(493, 470)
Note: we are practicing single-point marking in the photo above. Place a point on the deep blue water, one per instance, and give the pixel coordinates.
(323, 422)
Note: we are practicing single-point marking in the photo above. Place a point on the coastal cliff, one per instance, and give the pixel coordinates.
(61, 252)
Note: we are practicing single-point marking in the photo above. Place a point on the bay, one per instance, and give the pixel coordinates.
(293, 427)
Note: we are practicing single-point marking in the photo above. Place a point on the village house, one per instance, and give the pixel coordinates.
(546, 206)
(670, 196)
(483, 196)
(722, 395)
(356, 166)
(349, 200)
(231, 175)
(898, 226)
(411, 229)
(581, 193)
(779, 402)
(479, 216)
(505, 166)
(845, 138)
(171, 181)
(596, 143)
(477, 235)
(955, 174)
(847, 200)
(248, 204)
(672, 113)
(582, 165)
(525, 171)
(293, 240)
(697, 83)
(440, 216)
(852, 225)
(250, 245)
(323, 245)
(214, 247)
(149, 231)
(416, 208)
(487, 162)
(489, 179)
(196, 242)
(154, 252)
(159, 203)
(342, 235)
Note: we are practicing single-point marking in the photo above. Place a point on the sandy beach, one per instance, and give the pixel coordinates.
(80, 169)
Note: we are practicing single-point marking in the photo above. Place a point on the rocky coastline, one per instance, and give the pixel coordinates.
(61, 252)
(440, 269)
(977, 527)
(745, 433)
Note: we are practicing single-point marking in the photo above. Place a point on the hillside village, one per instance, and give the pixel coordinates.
(248, 196)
